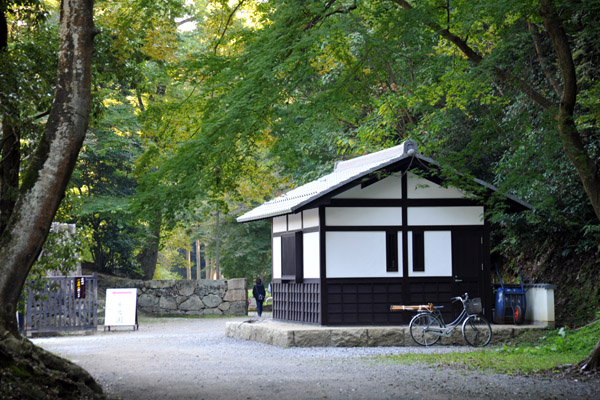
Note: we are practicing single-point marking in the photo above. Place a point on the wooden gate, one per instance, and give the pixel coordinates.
(63, 304)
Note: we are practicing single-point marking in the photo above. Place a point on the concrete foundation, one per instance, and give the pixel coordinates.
(285, 334)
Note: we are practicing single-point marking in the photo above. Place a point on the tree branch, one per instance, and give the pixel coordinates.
(477, 59)
(322, 17)
(227, 25)
(185, 21)
(538, 50)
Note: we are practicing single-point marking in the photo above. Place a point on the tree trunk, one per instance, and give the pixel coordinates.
(217, 247)
(198, 261)
(593, 361)
(46, 178)
(188, 268)
(572, 142)
(43, 186)
(9, 178)
(208, 267)
(149, 255)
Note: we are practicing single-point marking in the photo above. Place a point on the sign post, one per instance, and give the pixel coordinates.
(121, 308)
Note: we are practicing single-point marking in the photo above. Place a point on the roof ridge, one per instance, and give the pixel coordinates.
(377, 157)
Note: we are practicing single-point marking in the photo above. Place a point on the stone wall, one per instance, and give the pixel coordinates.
(204, 297)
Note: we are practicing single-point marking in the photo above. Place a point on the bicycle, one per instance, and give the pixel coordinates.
(428, 327)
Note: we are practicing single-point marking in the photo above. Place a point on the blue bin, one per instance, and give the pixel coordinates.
(510, 302)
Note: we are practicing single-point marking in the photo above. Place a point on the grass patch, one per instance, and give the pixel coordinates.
(530, 353)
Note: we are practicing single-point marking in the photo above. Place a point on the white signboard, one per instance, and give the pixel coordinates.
(120, 307)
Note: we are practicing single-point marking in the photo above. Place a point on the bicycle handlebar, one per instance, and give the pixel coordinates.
(457, 298)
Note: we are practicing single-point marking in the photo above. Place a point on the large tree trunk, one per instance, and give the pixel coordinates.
(46, 178)
(42, 189)
(148, 257)
(573, 144)
(593, 361)
(9, 171)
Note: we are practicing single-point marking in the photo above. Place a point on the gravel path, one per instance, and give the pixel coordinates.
(173, 358)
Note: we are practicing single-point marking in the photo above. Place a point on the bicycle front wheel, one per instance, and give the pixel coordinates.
(477, 331)
(421, 331)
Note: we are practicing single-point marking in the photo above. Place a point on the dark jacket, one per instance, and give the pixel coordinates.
(259, 289)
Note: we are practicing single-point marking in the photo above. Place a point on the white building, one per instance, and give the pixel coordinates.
(374, 233)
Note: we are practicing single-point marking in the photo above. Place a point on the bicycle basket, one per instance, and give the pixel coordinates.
(474, 306)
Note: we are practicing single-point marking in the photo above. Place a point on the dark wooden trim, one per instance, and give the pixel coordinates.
(405, 286)
(444, 227)
(404, 203)
(391, 251)
(488, 297)
(371, 203)
(292, 257)
(366, 301)
(297, 302)
(323, 266)
(307, 230)
(418, 251)
(404, 227)
(443, 203)
(307, 280)
(299, 237)
(363, 228)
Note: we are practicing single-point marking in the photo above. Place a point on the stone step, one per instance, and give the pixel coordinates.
(286, 334)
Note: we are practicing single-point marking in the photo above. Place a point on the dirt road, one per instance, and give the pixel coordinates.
(171, 358)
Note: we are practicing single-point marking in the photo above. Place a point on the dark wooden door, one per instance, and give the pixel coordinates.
(467, 262)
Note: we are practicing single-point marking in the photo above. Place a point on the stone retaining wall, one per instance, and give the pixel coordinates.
(204, 297)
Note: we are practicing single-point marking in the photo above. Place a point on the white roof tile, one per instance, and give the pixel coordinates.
(344, 172)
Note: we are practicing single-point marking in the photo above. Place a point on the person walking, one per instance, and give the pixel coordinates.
(259, 295)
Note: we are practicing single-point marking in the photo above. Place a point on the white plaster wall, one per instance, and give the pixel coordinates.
(294, 222)
(438, 254)
(280, 224)
(420, 216)
(310, 252)
(310, 218)
(419, 188)
(363, 216)
(277, 257)
(388, 188)
(356, 255)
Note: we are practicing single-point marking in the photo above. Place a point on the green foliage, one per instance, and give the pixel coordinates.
(536, 352)
(102, 186)
(252, 109)
(263, 96)
(61, 252)
(246, 250)
(168, 260)
(60, 256)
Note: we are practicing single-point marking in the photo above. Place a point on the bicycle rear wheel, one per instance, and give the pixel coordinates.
(419, 329)
(477, 331)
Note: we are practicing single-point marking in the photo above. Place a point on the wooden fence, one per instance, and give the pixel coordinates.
(64, 304)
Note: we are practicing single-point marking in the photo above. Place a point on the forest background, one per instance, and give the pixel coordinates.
(204, 109)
